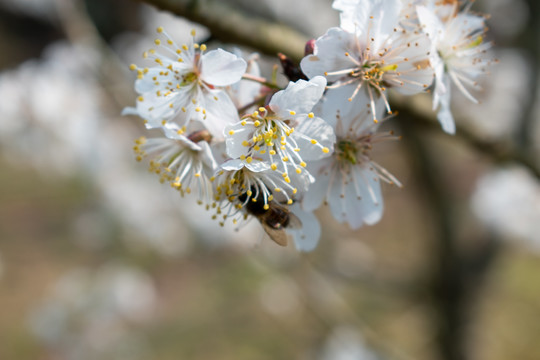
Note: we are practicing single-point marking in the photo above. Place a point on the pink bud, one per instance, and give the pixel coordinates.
(310, 47)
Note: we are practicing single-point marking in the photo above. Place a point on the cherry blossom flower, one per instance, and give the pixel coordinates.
(285, 133)
(458, 54)
(349, 181)
(187, 85)
(185, 163)
(371, 51)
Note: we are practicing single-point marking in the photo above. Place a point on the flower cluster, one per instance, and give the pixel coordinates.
(248, 148)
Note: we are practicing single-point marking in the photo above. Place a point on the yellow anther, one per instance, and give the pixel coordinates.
(203, 47)
(266, 207)
(287, 180)
(272, 152)
(243, 123)
(289, 202)
(257, 123)
(311, 115)
(197, 109)
(140, 98)
(292, 112)
(271, 197)
(261, 109)
(285, 158)
(245, 143)
(325, 150)
(295, 190)
(249, 159)
(160, 29)
(273, 167)
(242, 157)
(185, 47)
(256, 148)
(197, 175)
(303, 164)
(298, 170)
(157, 42)
(231, 132)
(313, 141)
(255, 114)
(132, 67)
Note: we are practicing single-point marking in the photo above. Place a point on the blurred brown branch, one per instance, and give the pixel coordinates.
(418, 110)
(231, 25)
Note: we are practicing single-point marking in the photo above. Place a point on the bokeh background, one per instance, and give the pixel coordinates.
(100, 261)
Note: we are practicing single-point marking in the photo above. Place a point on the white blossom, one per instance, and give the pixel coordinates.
(458, 54)
(371, 51)
(285, 134)
(178, 160)
(349, 181)
(187, 85)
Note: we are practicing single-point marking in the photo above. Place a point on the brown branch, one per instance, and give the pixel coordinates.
(418, 110)
(228, 24)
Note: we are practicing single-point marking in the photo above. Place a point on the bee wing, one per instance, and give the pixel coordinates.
(294, 222)
(279, 236)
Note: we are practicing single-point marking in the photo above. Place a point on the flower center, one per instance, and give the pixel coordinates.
(353, 151)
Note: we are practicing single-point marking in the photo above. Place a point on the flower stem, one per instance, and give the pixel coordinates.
(261, 80)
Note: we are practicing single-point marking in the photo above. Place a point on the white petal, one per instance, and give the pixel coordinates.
(234, 142)
(318, 129)
(299, 97)
(306, 238)
(219, 113)
(316, 193)
(445, 115)
(335, 192)
(430, 23)
(222, 68)
(329, 54)
(364, 201)
(232, 165)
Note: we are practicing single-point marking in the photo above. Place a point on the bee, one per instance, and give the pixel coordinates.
(274, 220)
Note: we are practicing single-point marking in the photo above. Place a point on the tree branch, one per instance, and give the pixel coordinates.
(417, 111)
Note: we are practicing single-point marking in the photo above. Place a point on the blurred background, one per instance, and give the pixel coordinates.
(100, 261)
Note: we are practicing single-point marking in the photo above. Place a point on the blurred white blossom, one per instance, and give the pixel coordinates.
(508, 201)
(96, 314)
(346, 343)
